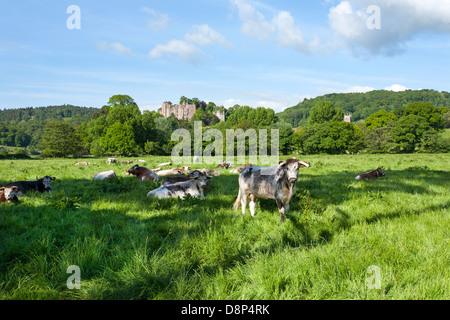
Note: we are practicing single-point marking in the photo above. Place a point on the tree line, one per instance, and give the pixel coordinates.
(414, 128)
(119, 128)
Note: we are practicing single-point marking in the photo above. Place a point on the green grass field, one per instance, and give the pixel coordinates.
(129, 246)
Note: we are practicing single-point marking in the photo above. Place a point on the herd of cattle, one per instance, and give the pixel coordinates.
(278, 183)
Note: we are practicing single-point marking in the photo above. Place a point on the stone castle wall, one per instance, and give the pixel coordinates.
(181, 112)
(184, 111)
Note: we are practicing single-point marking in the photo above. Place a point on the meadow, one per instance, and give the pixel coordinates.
(128, 246)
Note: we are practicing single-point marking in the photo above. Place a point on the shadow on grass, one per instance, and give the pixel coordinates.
(405, 213)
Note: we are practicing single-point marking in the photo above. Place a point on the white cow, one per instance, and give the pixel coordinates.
(105, 175)
(194, 187)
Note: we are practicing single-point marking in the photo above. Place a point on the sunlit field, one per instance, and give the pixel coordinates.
(128, 246)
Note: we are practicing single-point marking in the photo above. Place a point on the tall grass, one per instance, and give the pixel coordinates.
(129, 246)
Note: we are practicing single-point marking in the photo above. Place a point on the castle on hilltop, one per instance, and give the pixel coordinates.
(184, 111)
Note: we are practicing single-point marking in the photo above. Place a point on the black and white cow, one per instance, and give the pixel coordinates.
(277, 183)
(191, 175)
(40, 185)
(193, 186)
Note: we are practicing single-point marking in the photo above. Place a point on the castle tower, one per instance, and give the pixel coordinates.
(348, 118)
(220, 115)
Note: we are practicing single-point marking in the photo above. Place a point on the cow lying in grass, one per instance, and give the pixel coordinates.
(194, 187)
(40, 185)
(277, 183)
(209, 172)
(224, 166)
(371, 175)
(82, 163)
(189, 176)
(9, 194)
(143, 173)
(105, 175)
(170, 172)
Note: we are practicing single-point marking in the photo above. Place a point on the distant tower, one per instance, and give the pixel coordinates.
(348, 118)
(220, 115)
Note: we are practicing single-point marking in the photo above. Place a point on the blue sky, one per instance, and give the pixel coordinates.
(257, 53)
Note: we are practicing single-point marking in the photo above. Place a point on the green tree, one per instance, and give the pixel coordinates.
(83, 134)
(285, 135)
(380, 119)
(323, 112)
(332, 138)
(98, 148)
(123, 109)
(378, 140)
(22, 139)
(260, 117)
(299, 137)
(407, 132)
(433, 142)
(97, 127)
(119, 140)
(60, 140)
(447, 119)
(427, 111)
(151, 147)
(121, 100)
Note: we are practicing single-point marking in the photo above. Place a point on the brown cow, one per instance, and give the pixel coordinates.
(82, 163)
(224, 165)
(143, 173)
(9, 194)
(371, 175)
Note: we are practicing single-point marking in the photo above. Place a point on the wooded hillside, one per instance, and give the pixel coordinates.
(67, 112)
(362, 105)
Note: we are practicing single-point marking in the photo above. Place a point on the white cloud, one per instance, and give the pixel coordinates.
(253, 22)
(231, 102)
(205, 35)
(157, 20)
(400, 21)
(115, 47)
(396, 88)
(187, 51)
(189, 48)
(281, 28)
(287, 33)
